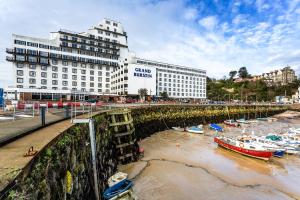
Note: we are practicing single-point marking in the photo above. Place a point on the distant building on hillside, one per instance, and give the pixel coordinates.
(278, 77)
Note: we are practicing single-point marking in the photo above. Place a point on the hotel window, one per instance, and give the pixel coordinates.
(19, 50)
(83, 71)
(91, 78)
(65, 76)
(43, 67)
(19, 80)
(83, 78)
(55, 69)
(99, 84)
(65, 83)
(91, 84)
(20, 58)
(20, 72)
(54, 75)
(100, 31)
(20, 65)
(32, 44)
(83, 84)
(43, 81)
(20, 42)
(64, 69)
(32, 52)
(44, 74)
(99, 79)
(44, 46)
(107, 79)
(32, 59)
(32, 66)
(32, 81)
(74, 83)
(83, 65)
(32, 73)
(107, 68)
(91, 72)
(74, 71)
(54, 82)
(43, 60)
(74, 77)
(74, 64)
(54, 62)
(107, 85)
(65, 63)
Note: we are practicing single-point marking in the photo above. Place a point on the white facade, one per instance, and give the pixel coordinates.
(140, 76)
(97, 61)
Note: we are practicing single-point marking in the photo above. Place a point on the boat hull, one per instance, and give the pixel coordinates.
(264, 155)
(231, 124)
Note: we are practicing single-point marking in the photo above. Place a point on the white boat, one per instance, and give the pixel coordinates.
(294, 130)
(195, 129)
(179, 129)
(116, 178)
(243, 121)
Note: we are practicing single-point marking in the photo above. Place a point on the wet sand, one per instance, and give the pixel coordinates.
(179, 165)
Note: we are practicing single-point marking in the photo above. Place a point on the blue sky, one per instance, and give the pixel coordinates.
(216, 35)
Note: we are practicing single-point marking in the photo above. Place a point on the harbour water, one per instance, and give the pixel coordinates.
(178, 165)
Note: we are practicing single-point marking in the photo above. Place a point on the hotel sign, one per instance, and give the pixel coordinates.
(140, 72)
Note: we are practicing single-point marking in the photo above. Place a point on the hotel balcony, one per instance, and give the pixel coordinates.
(10, 58)
(10, 50)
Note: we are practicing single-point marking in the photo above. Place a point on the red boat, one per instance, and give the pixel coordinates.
(231, 123)
(244, 147)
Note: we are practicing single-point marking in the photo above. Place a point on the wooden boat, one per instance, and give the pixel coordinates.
(216, 127)
(231, 123)
(117, 189)
(179, 129)
(116, 178)
(244, 148)
(195, 129)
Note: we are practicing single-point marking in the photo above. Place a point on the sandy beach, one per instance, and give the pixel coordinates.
(179, 165)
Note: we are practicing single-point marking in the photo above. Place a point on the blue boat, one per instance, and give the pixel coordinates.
(278, 153)
(118, 188)
(216, 127)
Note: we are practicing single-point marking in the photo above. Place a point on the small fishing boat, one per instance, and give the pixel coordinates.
(116, 178)
(127, 195)
(244, 147)
(272, 119)
(216, 127)
(262, 119)
(195, 129)
(117, 189)
(231, 122)
(179, 129)
(243, 121)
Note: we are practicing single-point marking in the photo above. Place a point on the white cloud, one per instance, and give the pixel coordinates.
(239, 19)
(190, 14)
(209, 22)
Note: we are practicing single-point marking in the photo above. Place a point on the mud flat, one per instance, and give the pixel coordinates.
(188, 166)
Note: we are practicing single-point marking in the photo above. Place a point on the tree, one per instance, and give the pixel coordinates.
(232, 74)
(143, 92)
(243, 73)
(164, 95)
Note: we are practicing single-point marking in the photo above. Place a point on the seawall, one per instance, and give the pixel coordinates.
(63, 170)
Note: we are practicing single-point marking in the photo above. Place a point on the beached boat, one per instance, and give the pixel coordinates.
(179, 129)
(276, 149)
(231, 122)
(244, 147)
(116, 178)
(243, 121)
(272, 119)
(195, 129)
(262, 119)
(216, 127)
(127, 195)
(117, 189)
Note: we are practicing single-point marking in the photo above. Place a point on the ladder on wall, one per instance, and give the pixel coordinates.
(121, 123)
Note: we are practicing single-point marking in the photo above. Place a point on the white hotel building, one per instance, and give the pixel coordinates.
(94, 63)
